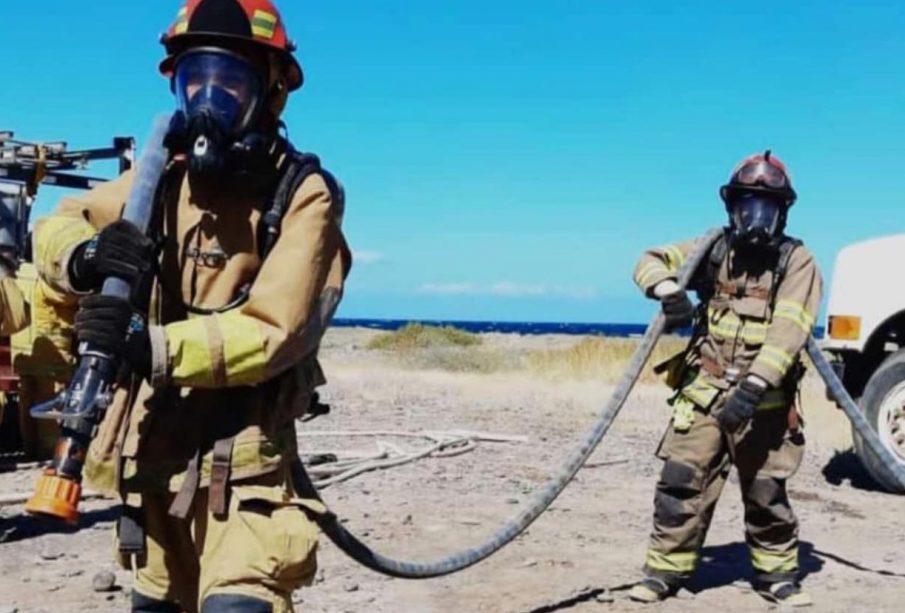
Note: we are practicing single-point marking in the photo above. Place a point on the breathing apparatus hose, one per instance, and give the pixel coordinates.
(541, 500)
(860, 423)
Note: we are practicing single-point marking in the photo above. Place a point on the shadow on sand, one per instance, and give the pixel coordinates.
(845, 466)
(720, 566)
(23, 527)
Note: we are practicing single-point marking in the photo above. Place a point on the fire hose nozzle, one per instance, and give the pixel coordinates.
(55, 497)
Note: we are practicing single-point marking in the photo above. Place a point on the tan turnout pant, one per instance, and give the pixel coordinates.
(696, 466)
(264, 547)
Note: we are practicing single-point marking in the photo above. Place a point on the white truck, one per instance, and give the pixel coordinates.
(865, 332)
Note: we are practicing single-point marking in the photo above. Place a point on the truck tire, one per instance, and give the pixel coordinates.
(883, 404)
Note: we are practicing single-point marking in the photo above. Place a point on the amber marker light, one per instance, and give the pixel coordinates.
(845, 327)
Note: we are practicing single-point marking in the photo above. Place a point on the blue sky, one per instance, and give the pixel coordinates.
(509, 160)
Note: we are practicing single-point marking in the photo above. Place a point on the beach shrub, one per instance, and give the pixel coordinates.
(419, 336)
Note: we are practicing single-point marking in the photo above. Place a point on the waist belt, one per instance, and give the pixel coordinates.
(732, 374)
(774, 398)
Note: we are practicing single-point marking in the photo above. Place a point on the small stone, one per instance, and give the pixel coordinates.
(407, 521)
(512, 501)
(319, 577)
(529, 563)
(605, 596)
(104, 581)
(8, 609)
(51, 549)
(351, 587)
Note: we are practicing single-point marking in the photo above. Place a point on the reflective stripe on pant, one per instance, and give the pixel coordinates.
(696, 467)
(264, 548)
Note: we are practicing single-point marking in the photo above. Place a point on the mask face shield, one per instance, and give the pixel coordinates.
(221, 86)
(755, 217)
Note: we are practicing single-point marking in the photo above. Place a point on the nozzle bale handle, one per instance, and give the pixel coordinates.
(81, 407)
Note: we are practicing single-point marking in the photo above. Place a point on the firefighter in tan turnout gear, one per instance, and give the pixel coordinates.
(735, 385)
(242, 273)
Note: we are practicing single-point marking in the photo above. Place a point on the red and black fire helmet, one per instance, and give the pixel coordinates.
(236, 23)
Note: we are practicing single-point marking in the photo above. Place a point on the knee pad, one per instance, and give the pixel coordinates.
(143, 604)
(679, 483)
(767, 501)
(766, 492)
(235, 603)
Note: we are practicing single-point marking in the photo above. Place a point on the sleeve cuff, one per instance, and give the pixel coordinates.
(160, 375)
(768, 373)
(63, 280)
(654, 280)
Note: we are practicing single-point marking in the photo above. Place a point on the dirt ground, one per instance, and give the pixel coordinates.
(580, 556)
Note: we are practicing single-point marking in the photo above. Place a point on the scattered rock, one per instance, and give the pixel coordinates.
(104, 581)
(407, 521)
(350, 586)
(605, 596)
(52, 549)
(8, 609)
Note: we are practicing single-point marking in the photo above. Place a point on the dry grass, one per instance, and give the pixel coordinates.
(599, 358)
(418, 336)
(454, 350)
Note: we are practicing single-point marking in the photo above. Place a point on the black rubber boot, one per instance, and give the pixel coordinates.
(143, 604)
(235, 603)
(787, 593)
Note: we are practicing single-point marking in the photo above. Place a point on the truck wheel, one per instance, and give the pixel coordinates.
(883, 404)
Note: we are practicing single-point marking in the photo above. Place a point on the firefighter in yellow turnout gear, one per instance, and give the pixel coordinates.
(42, 354)
(246, 268)
(735, 386)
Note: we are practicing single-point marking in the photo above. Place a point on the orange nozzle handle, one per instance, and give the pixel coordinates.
(55, 497)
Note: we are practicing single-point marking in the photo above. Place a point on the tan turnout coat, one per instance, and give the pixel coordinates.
(247, 373)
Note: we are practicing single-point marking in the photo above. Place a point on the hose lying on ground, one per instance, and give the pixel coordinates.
(361, 553)
(865, 431)
(443, 445)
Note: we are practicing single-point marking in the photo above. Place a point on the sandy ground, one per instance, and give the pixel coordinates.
(580, 556)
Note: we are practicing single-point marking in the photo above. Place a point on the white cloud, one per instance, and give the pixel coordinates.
(516, 290)
(449, 288)
(366, 257)
(508, 289)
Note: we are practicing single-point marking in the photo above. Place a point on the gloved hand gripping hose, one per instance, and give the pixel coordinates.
(362, 554)
(82, 405)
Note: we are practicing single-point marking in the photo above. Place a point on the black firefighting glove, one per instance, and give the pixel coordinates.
(740, 406)
(678, 310)
(110, 324)
(119, 250)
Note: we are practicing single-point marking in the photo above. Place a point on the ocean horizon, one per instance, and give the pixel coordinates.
(619, 330)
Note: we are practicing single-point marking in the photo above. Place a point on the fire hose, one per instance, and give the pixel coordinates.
(409, 569)
(82, 406)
